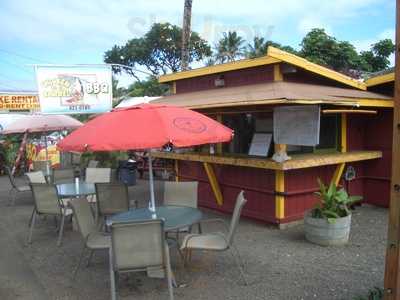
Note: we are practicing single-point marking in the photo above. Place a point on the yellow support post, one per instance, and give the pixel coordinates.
(279, 199)
(343, 137)
(338, 173)
(214, 183)
(277, 72)
(176, 165)
(173, 87)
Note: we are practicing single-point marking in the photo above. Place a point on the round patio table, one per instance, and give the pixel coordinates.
(69, 190)
(175, 217)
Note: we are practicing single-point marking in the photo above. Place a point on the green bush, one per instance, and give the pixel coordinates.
(106, 159)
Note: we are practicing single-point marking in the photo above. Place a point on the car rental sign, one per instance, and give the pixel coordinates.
(81, 89)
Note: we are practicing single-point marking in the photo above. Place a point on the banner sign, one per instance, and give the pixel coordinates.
(18, 102)
(74, 89)
(38, 153)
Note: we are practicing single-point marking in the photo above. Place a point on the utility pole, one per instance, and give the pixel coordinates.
(392, 267)
(186, 29)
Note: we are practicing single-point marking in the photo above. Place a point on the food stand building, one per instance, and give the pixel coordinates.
(355, 135)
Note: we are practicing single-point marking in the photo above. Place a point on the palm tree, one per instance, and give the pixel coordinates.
(229, 47)
(187, 18)
(258, 48)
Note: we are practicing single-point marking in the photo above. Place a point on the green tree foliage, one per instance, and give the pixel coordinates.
(376, 59)
(321, 48)
(149, 87)
(158, 51)
(260, 45)
(230, 47)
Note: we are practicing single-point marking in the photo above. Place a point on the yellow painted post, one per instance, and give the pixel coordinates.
(343, 137)
(219, 145)
(176, 165)
(214, 183)
(279, 199)
(338, 173)
(277, 72)
(173, 87)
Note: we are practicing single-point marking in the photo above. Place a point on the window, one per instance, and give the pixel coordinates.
(244, 126)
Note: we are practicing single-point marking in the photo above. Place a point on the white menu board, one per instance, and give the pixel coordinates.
(297, 125)
(260, 144)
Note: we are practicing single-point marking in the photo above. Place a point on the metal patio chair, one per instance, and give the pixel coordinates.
(218, 241)
(111, 198)
(93, 164)
(44, 166)
(183, 193)
(15, 189)
(36, 177)
(97, 175)
(63, 175)
(47, 202)
(139, 246)
(93, 239)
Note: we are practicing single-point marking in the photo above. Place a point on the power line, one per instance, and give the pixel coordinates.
(23, 56)
(10, 79)
(17, 66)
(8, 85)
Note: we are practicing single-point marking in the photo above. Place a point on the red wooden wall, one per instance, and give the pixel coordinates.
(259, 186)
(232, 78)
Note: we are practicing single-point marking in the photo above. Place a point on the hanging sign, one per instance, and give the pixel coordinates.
(297, 125)
(74, 89)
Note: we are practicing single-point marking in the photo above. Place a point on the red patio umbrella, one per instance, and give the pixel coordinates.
(146, 126)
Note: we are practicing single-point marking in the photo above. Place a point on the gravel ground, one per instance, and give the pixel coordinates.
(279, 264)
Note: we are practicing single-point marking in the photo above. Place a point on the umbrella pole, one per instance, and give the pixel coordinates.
(152, 201)
(47, 156)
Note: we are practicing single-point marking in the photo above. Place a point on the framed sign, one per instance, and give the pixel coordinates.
(260, 144)
(74, 89)
(297, 125)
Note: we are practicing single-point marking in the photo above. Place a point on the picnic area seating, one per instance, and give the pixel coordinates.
(15, 188)
(217, 241)
(47, 202)
(139, 246)
(93, 239)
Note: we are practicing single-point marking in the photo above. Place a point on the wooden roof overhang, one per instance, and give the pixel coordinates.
(273, 56)
(276, 93)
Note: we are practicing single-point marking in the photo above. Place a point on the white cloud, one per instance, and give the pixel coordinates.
(95, 23)
(306, 24)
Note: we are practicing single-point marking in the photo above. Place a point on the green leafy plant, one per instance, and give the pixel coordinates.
(334, 203)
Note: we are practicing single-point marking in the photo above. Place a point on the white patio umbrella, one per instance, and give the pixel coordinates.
(39, 123)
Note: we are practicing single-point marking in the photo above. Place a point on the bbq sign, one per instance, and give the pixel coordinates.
(74, 89)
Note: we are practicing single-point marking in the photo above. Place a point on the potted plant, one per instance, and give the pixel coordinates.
(328, 223)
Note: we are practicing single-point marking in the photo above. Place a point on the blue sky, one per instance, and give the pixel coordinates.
(69, 32)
